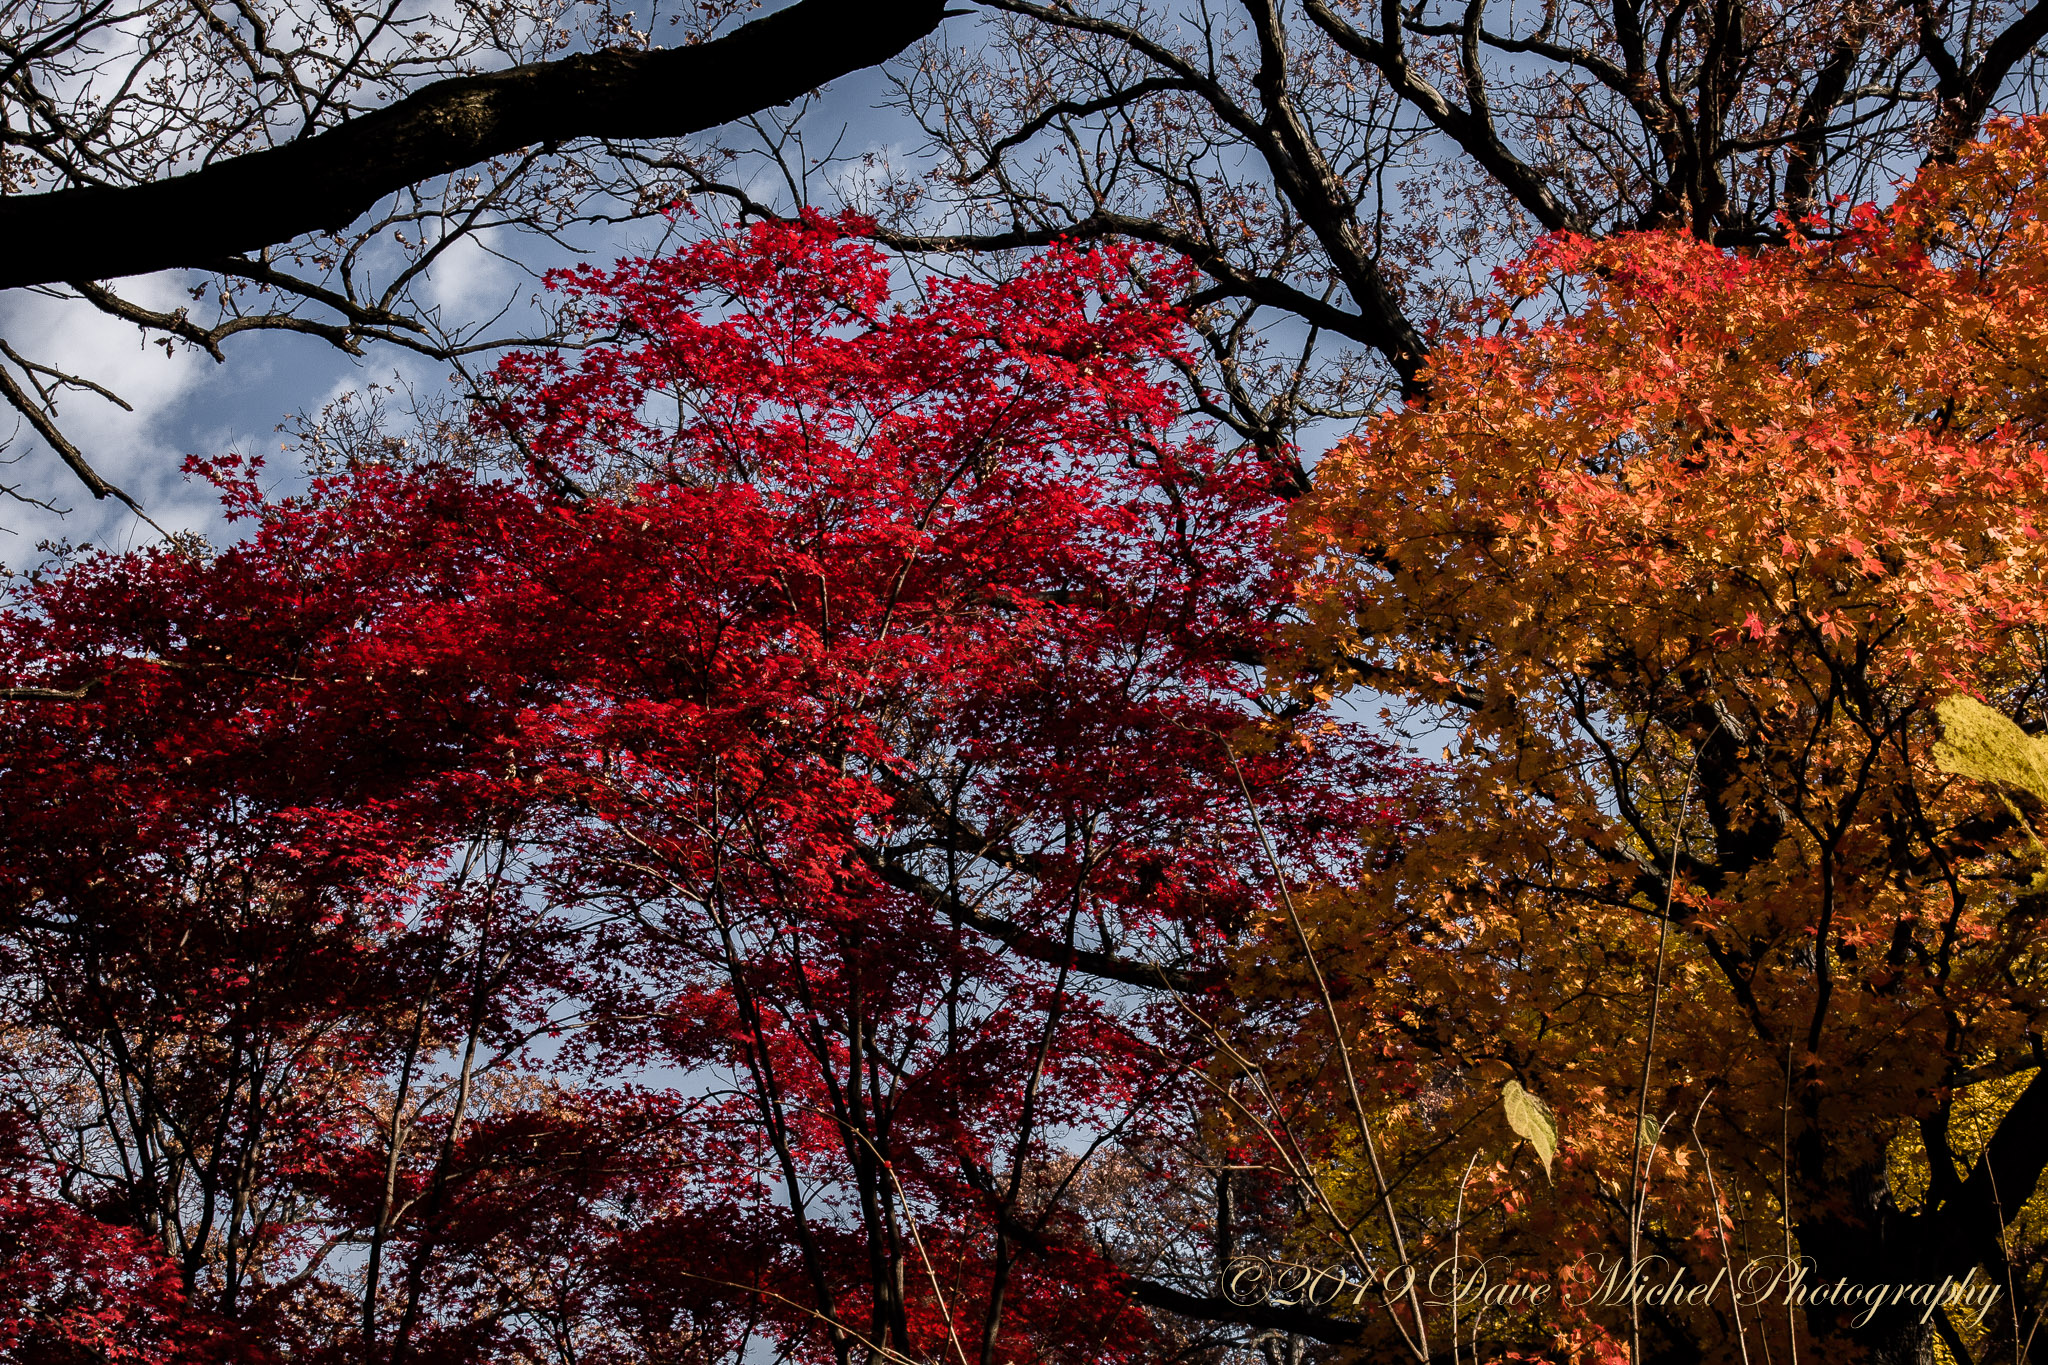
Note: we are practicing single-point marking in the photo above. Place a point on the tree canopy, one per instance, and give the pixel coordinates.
(1344, 175)
(831, 811)
(1729, 574)
(836, 719)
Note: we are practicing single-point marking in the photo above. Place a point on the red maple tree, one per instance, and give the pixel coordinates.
(738, 879)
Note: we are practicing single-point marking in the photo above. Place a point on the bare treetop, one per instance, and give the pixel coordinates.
(288, 148)
(1351, 172)
(1344, 174)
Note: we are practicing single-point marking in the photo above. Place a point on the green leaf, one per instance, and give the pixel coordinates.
(1979, 743)
(1531, 1119)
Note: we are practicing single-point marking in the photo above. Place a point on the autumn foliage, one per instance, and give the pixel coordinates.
(832, 847)
(1686, 560)
(707, 889)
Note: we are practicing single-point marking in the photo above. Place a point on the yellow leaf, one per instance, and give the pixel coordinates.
(1532, 1120)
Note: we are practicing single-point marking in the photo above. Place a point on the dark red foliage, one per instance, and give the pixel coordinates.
(727, 885)
(73, 1286)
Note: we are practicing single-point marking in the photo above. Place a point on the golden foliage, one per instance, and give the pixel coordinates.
(1693, 565)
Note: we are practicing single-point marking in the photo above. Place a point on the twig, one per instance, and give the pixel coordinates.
(69, 453)
(1457, 1233)
(916, 1238)
(1421, 1342)
(1720, 1226)
(1785, 1200)
(1637, 1176)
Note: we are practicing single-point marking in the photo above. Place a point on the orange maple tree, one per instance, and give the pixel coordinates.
(1694, 561)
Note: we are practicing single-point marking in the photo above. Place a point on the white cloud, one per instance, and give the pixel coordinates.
(130, 449)
(468, 281)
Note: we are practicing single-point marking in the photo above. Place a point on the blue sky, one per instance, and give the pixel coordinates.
(186, 403)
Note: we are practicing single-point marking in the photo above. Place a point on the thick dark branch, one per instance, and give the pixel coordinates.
(1963, 1233)
(2004, 1176)
(1965, 96)
(1038, 947)
(1472, 128)
(1326, 204)
(1305, 1322)
(1213, 261)
(1804, 166)
(178, 324)
(1300, 172)
(328, 180)
(360, 316)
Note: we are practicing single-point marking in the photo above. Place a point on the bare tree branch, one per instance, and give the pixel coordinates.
(327, 180)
